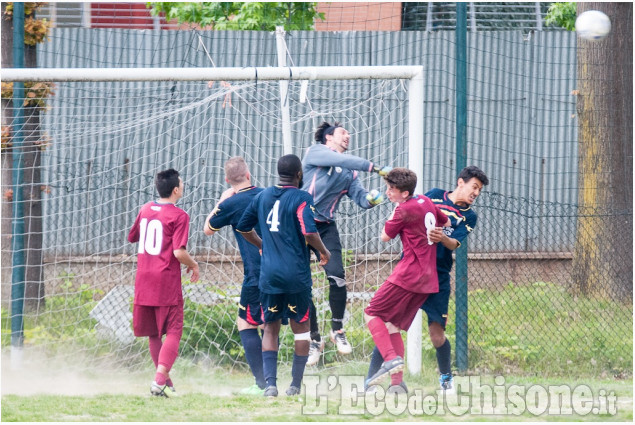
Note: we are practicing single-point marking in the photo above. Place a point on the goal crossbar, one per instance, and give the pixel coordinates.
(211, 74)
(414, 75)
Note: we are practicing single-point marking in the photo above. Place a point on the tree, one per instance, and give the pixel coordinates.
(262, 16)
(35, 31)
(603, 255)
(603, 258)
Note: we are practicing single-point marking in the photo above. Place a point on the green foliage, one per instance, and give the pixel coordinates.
(562, 15)
(5, 327)
(66, 316)
(210, 330)
(542, 329)
(259, 16)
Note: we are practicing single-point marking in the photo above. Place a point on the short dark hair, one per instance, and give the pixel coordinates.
(324, 130)
(166, 181)
(289, 166)
(403, 179)
(472, 171)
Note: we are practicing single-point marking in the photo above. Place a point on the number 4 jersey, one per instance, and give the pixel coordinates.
(160, 229)
(284, 215)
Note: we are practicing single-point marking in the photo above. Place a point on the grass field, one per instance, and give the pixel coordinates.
(53, 392)
(524, 341)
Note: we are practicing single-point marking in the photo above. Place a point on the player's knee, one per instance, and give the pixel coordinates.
(303, 336)
(437, 335)
(337, 282)
(242, 324)
(392, 328)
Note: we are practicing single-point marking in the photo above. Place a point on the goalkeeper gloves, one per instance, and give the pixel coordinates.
(374, 197)
(382, 171)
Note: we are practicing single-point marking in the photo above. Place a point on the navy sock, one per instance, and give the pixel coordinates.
(337, 302)
(444, 357)
(297, 370)
(270, 367)
(375, 363)
(253, 353)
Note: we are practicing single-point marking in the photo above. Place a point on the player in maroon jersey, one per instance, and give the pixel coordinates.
(161, 228)
(395, 304)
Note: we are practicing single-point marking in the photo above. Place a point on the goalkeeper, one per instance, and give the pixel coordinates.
(329, 174)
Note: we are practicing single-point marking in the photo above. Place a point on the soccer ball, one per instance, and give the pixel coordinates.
(593, 25)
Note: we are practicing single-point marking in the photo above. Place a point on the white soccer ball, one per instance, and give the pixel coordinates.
(593, 25)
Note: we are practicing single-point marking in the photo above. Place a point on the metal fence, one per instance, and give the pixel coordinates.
(525, 308)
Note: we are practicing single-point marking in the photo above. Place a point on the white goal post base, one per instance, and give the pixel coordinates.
(414, 75)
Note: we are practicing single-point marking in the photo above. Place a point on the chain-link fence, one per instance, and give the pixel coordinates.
(550, 270)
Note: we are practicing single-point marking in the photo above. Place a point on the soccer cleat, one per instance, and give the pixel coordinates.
(315, 350)
(162, 390)
(253, 390)
(340, 341)
(371, 389)
(292, 390)
(447, 382)
(387, 368)
(271, 391)
(398, 389)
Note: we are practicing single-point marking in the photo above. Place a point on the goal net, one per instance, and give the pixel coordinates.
(100, 144)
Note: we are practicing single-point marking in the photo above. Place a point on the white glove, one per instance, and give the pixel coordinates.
(374, 197)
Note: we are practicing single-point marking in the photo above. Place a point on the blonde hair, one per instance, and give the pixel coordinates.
(236, 170)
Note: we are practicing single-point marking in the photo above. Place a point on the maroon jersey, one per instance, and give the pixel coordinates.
(417, 270)
(160, 229)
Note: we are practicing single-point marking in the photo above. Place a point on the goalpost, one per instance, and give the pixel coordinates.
(158, 127)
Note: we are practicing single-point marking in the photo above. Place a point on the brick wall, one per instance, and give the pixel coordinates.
(352, 16)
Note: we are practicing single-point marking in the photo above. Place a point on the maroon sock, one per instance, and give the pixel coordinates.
(154, 342)
(397, 343)
(169, 352)
(159, 378)
(380, 334)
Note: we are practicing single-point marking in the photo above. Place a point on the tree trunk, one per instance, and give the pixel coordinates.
(32, 195)
(603, 257)
(6, 159)
(31, 189)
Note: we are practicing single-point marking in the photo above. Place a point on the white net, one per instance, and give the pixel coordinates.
(106, 143)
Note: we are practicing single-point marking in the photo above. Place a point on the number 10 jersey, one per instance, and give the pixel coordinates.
(160, 229)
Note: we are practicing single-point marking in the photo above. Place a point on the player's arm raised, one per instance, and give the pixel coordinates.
(208, 228)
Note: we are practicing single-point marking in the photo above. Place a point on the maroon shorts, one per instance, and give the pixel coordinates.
(157, 321)
(391, 303)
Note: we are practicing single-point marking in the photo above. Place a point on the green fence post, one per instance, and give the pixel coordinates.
(17, 224)
(461, 160)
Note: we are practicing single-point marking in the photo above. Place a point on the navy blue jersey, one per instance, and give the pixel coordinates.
(229, 212)
(284, 214)
(463, 221)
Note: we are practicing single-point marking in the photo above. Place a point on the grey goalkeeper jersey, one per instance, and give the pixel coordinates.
(329, 175)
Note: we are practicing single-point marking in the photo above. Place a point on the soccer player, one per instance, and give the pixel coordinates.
(161, 228)
(457, 206)
(329, 174)
(284, 214)
(231, 205)
(395, 304)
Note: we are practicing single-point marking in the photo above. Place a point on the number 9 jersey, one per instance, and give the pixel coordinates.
(284, 215)
(160, 229)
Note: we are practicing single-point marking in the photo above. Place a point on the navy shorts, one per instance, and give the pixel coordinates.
(436, 306)
(249, 308)
(286, 306)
